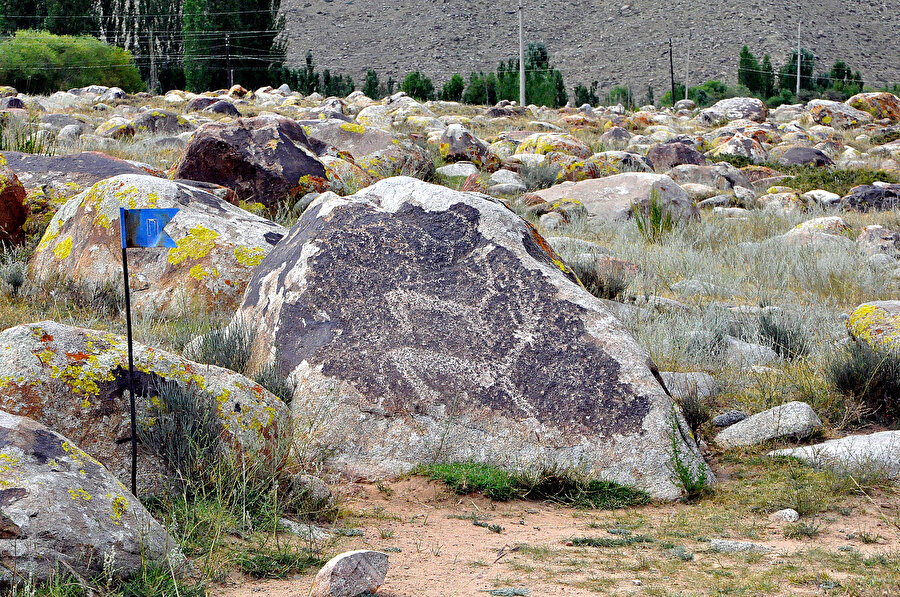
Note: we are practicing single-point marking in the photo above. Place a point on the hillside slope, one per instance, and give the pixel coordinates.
(613, 42)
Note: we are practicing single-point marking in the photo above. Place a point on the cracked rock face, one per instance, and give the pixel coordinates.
(58, 504)
(73, 380)
(426, 324)
(219, 244)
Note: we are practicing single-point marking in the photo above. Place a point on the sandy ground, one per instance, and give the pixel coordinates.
(443, 553)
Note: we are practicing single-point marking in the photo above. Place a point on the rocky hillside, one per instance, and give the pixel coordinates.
(613, 42)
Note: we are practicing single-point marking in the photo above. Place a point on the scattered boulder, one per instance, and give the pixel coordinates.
(201, 102)
(877, 324)
(612, 197)
(13, 212)
(78, 170)
(115, 128)
(794, 420)
(665, 156)
(874, 453)
(836, 114)
(223, 108)
(74, 380)
(878, 240)
(616, 137)
(786, 515)
(684, 385)
(459, 170)
(62, 508)
(351, 574)
(879, 104)
(805, 156)
(727, 419)
(544, 143)
(219, 244)
(872, 197)
(8, 103)
(457, 143)
(266, 159)
(742, 146)
(728, 546)
(735, 108)
(721, 176)
(160, 122)
(411, 365)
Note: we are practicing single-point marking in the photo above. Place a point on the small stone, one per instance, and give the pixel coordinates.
(351, 574)
(552, 220)
(794, 419)
(727, 546)
(787, 515)
(729, 418)
(637, 583)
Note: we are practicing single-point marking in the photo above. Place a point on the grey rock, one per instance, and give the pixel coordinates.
(504, 176)
(70, 133)
(721, 176)
(552, 220)
(744, 355)
(717, 201)
(792, 420)
(62, 508)
(351, 574)
(726, 546)
(874, 453)
(464, 169)
(224, 108)
(683, 385)
(734, 108)
(307, 532)
(786, 515)
(729, 418)
(877, 240)
(412, 364)
(506, 189)
(805, 156)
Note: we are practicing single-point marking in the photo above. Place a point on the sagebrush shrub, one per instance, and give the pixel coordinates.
(872, 376)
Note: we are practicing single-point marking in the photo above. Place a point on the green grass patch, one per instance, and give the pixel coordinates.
(610, 541)
(501, 485)
(264, 562)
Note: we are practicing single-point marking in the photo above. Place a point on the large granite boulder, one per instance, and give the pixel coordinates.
(722, 176)
(74, 380)
(60, 509)
(836, 114)
(734, 108)
(877, 324)
(160, 122)
(668, 155)
(791, 420)
(613, 197)
(879, 104)
(266, 159)
(378, 152)
(351, 574)
(805, 156)
(13, 213)
(425, 324)
(872, 197)
(78, 170)
(877, 453)
(545, 143)
(219, 244)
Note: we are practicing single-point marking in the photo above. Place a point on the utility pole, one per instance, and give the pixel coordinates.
(521, 56)
(687, 75)
(672, 72)
(228, 61)
(799, 58)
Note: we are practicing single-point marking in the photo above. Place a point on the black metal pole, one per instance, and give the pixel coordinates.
(672, 72)
(130, 374)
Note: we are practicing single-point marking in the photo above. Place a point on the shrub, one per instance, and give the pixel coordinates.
(228, 347)
(872, 376)
(696, 410)
(541, 176)
(656, 222)
(693, 482)
(808, 178)
(603, 281)
(784, 334)
(38, 62)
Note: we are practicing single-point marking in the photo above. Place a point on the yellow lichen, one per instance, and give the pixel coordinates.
(249, 256)
(64, 248)
(352, 127)
(80, 494)
(197, 244)
(119, 507)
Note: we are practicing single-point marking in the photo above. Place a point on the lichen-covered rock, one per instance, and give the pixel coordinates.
(457, 144)
(613, 197)
(61, 509)
(544, 143)
(376, 151)
(266, 159)
(200, 102)
(879, 104)
(664, 156)
(162, 122)
(219, 244)
(344, 176)
(72, 380)
(836, 114)
(734, 108)
(115, 128)
(429, 324)
(742, 146)
(223, 108)
(877, 324)
(878, 240)
(13, 213)
(818, 233)
(721, 176)
(805, 156)
(76, 171)
(872, 197)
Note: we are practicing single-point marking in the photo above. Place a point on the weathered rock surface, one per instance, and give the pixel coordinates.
(728, 419)
(457, 143)
(805, 156)
(878, 240)
(59, 508)
(877, 324)
(734, 108)
(873, 453)
(266, 159)
(668, 155)
(219, 245)
(611, 198)
(80, 170)
(416, 317)
(351, 574)
(836, 114)
(794, 420)
(73, 380)
(874, 197)
(160, 122)
(729, 546)
(879, 104)
(13, 212)
(683, 385)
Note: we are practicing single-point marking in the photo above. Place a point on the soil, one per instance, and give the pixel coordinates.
(443, 553)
